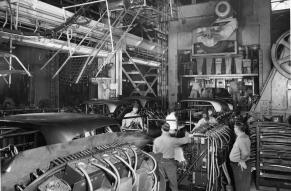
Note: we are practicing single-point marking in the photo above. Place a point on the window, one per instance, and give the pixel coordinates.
(100, 130)
(121, 110)
(196, 109)
(107, 129)
(280, 4)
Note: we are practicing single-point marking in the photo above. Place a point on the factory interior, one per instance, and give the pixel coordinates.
(145, 95)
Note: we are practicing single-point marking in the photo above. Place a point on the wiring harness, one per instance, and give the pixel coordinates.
(119, 167)
(206, 158)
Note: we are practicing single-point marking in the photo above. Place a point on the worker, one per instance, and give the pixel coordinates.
(206, 120)
(195, 89)
(132, 120)
(174, 131)
(239, 157)
(167, 145)
(234, 92)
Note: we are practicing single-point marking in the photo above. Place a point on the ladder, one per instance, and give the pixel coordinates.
(120, 42)
(142, 83)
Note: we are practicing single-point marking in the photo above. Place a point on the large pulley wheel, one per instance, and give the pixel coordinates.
(280, 53)
(223, 9)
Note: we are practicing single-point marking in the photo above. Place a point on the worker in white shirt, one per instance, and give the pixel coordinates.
(205, 120)
(239, 158)
(132, 120)
(167, 145)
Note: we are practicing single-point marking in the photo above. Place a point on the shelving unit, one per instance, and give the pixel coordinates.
(210, 70)
(273, 158)
(216, 76)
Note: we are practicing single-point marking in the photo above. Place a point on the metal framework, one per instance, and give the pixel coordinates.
(138, 78)
(82, 37)
(8, 58)
(154, 17)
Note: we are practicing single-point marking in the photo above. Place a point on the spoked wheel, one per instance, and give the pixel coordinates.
(281, 55)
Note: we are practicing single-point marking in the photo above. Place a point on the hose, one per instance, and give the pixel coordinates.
(130, 168)
(127, 155)
(153, 170)
(115, 170)
(155, 182)
(226, 173)
(43, 177)
(128, 158)
(79, 166)
(135, 158)
(154, 161)
(108, 171)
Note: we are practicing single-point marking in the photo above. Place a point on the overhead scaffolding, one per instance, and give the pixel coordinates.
(103, 35)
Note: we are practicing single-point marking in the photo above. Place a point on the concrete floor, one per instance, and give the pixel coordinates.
(253, 186)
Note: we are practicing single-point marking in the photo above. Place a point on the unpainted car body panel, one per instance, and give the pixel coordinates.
(112, 104)
(59, 127)
(198, 105)
(219, 105)
(143, 100)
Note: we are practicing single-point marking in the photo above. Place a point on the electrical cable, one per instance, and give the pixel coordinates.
(153, 170)
(115, 170)
(127, 155)
(124, 150)
(135, 158)
(155, 182)
(224, 168)
(130, 168)
(79, 166)
(108, 171)
(154, 161)
(43, 177)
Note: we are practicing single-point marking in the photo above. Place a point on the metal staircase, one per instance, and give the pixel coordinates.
(142, 82)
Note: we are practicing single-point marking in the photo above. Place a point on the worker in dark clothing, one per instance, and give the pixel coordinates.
(239, 157)
(166, 145)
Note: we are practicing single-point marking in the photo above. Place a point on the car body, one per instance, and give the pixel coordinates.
(151, 112)
(218, 93)
(111, 108)
(195, 106)
(150, 108)
(151, 103)
(38, 129)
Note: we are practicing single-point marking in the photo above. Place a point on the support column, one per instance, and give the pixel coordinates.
(118, 72)
(263, 10)
(172, 66)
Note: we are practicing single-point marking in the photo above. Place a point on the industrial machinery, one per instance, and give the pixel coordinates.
(110, 163)
(206, 159)
(276, 94)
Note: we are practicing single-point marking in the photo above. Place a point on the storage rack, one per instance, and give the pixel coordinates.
(273, 163)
